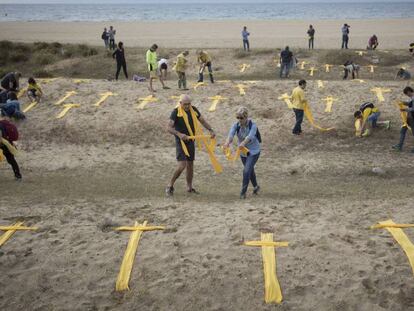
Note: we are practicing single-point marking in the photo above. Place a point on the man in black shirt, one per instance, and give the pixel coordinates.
(119, 55)
(285, 61)
(178, 128)
(10, 81)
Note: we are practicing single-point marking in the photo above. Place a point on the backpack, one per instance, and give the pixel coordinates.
(104, 35)
(258, 136)
(365, 106)
(9, 131)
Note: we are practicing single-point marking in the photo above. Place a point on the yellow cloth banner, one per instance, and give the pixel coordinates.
(30, 106)
(320, 84)
(329, 102)
(243, 67)
(287, 99)
(215, 101)
(241, 88)
(312, 70)
(309, 116)
(9, 146)
(103, 98)
(236, 155)
(10, 230)
(145, 101)
(403, 114)
(66, 109)
(328, 67)
(68, 94)
(302, 65)
(379, 92)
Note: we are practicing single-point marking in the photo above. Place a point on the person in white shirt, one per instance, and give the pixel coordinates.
(162, 68)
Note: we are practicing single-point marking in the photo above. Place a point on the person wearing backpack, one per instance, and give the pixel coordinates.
(248, 136)
(8, 135)
(105, 37)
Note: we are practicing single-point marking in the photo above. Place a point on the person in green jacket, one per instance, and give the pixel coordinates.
(152, 67)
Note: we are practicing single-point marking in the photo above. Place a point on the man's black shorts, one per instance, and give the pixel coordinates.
(181, 156)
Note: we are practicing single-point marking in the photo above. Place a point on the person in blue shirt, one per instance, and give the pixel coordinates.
(11, 108)
(247, 133)
(245, 35)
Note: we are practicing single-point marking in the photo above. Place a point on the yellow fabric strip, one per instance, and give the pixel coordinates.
(145, 101)
(2, 157)
(236, 155)
(198, 137)
(79, 81)
(243, 67)
(311, 71)
(403, 114)
(329, 102)
(379, 92)
(287, 99)
(320, 84)
(215, 101)
(360, 53)
(7, 235)
(14, 227)
(104, 96)
(358, 127)
(198, 84)
(22, 92)
(265, 243)
(68, 94)
(401, 239)
(66, 109)
(122, 282)
(273, 292)
(140, 228)
(30, 107)
(371, 68)
(392, 226)
(328, 67)
(309, 116)
(241, 88)
(302, 65)
(9, 146)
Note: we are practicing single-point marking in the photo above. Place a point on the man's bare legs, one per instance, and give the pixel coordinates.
(182, 165)
(189, 175)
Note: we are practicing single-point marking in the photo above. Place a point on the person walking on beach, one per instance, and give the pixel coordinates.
(180, 68)
(105, 38)
(151, 58)
(111, 35)
(182, 118)
(409, 92)
(9, 134)
(286, 57)
(10, 82)
(245, 36)
(345, 36)
(298, 104)
(205, 61)
(119, 55)
(249, 137)
(311, 36)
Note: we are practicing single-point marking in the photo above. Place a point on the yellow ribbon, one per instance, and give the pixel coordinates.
(371, 68)
(68, 94)
(401, 239)
(145, 101)
(358, 80)
(328, 67)
(2, 157)
(215, 101)
(79, 81)
(286, 98)
(66, 109)
(273, 292)
(403, 114)
(236, 155)
(358, 127)
(22, 92)
(320, 84)
(312, 70)
(243, 67)
(309, 116)
(9, 146)
(379, 92)
(140, 228)
(302, 65)
(198, 84)
(361, 53)
(103, 98)
(241, 88)
(329, 102)
(10, 230)
(30, 106)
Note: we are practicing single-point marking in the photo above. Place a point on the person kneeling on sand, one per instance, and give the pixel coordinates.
(11, 108)
(249, 137)
(180, 67)
(34, 92)
(8, 135)
(403, 74)
(182, 119)
(152, 62)
(298, 104)
(351, 68)
(366, 118)
(205, 61)
(372, 43)
(409, 92)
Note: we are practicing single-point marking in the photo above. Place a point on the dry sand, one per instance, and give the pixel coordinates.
(102, 167)
(392, 34)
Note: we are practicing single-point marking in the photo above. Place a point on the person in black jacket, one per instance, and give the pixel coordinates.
(119, 55)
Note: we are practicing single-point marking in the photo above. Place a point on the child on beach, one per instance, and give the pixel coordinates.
(34, 92)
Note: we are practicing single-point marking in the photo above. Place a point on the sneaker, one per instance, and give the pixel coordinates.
(388, 125)
(186, 89)
(256, 190)
(193, 191)
(242, 196)
(397, 147)
(166, 88)
(169, 191)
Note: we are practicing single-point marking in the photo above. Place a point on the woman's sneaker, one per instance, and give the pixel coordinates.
(256, 190)
(169, 191)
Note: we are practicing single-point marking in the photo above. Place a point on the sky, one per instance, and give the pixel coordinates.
(189, 1)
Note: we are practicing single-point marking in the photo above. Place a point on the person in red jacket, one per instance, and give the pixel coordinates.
(9, 134)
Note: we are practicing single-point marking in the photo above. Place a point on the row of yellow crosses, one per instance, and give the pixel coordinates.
(272, 289)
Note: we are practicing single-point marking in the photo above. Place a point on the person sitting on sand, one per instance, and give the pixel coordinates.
(177, 126)
(151, 58)
(368, 115)
(298, 104)
(34, 92)
(351, 68)
(204, 59)
(286, 57)
(180, 68)
(249, 137)
(372, 43)
(119, 55)
(409, 92)
(10, 82)
(9, 133)
(311, 36)
(162, 70)
(403, 74)
(11, 108)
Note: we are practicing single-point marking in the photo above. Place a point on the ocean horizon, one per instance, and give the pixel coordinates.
(97, 12)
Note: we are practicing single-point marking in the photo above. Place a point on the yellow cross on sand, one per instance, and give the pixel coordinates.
(273, 292)
(30, 106)
(371, 68)
(122, 282)
(104, 97)
(216, 100)
(68, 94)
(399, 236)
(242, 88)
(198, 84)
(251, 81)
(22, 92)
(146, 100)
(302, 65)
(328, 67)
(361, 53)
(358, 80)
(329, 102)
(379, 92)
(312, 70)
(320, 84)
(243, 67)
(79, 81)
(223, 81)
(10, 230)
(66, 109)
(286, 98)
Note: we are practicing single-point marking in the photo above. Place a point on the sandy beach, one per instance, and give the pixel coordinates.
(392, 34)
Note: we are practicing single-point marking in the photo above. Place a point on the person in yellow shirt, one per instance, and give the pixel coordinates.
(180, 67)
(34, 92)
(205, 61)
(298, 104)
(151, 58)
(368, 115)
